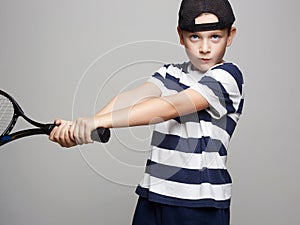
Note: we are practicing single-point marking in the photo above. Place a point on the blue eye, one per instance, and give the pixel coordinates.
(215, 37)
(194, 37)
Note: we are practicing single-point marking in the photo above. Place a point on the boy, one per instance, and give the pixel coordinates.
(195, 107)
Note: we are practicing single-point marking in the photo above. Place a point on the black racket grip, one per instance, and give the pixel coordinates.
(101, 135)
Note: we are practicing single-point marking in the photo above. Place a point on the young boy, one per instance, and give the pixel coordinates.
(195, 107)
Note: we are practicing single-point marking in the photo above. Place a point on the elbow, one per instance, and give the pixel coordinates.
(170, 111)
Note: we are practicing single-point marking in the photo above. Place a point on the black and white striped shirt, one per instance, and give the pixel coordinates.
(187, 163)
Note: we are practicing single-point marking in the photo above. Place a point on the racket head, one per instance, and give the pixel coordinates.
(9, 113)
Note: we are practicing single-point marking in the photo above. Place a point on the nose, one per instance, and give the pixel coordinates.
(204, 47)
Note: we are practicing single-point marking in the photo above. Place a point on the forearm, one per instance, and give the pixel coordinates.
(138, 114)
(153, 110)
(129, 98)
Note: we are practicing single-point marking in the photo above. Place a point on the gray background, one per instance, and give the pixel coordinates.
(68, 58)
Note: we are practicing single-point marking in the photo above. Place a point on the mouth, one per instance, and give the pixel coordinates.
(204, 60)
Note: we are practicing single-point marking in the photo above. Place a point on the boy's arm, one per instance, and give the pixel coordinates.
(61, 134)
(128, 98)
(154, 110)
(151, 111)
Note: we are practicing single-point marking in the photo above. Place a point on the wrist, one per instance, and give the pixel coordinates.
(102, 120)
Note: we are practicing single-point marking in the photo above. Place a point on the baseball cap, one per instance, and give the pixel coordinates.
(191, 9)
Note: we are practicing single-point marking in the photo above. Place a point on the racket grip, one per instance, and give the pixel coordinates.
(101, 135)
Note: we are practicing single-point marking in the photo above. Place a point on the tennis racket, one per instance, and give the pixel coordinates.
(10, 111)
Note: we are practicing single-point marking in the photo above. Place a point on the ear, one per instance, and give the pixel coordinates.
(231, 36)
(179, 31)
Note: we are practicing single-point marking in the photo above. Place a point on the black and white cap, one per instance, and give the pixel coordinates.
(191, 9)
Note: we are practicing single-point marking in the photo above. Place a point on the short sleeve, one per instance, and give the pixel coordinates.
(167, 78)
(158, 77)
(222, 87)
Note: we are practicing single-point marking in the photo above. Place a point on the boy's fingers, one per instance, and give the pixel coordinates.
(51, 135)
(71, 132)
(62, 137)
(60, 134)
(67, 141)
(57, 122)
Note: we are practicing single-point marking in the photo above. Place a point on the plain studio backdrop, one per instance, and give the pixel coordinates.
(64, 59)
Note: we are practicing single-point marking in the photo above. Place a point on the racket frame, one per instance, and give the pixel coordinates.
(100, 134)
(18, 112)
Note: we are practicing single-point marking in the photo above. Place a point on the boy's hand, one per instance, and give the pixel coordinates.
(61, 134)
(81, 129)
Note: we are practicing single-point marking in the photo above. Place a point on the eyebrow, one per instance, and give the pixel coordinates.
(210, 32)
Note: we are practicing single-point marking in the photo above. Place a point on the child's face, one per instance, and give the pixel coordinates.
(206, 48)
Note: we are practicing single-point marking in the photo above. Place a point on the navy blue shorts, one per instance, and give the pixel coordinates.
(151, 213)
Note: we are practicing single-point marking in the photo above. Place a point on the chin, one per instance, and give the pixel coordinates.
(203, 68)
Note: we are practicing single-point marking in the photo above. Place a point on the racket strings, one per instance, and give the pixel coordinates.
(6, 113)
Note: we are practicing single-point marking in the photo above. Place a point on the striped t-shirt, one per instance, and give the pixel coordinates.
(187, 162)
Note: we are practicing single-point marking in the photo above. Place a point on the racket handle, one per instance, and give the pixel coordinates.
(101, 135)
